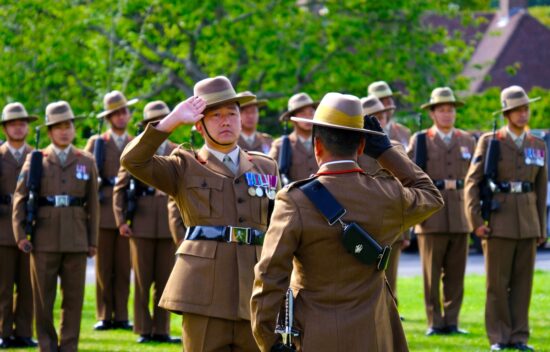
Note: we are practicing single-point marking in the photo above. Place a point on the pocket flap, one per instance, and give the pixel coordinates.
(204, 249)
(205, 182)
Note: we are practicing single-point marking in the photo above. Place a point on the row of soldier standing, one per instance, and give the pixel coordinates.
(205, 177)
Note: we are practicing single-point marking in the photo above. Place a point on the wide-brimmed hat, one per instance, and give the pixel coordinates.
(340, 111)
(217, 91)
(258, 102)
(372, 105)
(296, 102)
(16, 111)
(59, 111)
(154, 111)
(113, 101)
(513, 97)
(442, 95)
(381, 89)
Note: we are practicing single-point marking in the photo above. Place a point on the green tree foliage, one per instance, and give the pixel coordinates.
(78, 50)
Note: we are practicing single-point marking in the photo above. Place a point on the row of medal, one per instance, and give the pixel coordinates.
(260, 185)
(81, 172)
(534, 156)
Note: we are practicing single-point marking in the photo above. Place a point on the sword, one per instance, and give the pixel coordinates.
(288, 331)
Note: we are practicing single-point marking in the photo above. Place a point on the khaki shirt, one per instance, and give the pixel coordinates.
(151, 216)
(303, 163)
(209, 278)
(63, 229)
(262, 143)
(175, 222)
(9, 171)
(341, 304)
(447, 162)
(521, 215)
(110, 171)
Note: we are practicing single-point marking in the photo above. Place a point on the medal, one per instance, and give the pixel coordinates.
(271, 194)
(257, 183)
(272, 181)
(466, 155)
(250, 181)
(528, 156)
(78, 172)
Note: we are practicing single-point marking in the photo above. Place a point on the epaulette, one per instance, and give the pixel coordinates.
(430, 132)
(381, 173)
(106, 136)
(532, 136)
(265, 135)
(300, 182)
(254, 153)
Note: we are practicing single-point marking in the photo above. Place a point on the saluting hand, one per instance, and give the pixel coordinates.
(187, 112)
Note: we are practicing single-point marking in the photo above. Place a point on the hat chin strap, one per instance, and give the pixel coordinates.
(212, 138)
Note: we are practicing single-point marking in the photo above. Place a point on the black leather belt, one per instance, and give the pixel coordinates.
(6, 199)
(241, 235)
(513, 187)
(108, 181)
(449, 184)
(60, 201)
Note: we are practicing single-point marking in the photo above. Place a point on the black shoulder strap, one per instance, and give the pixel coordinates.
(421, 151)
(323, 200)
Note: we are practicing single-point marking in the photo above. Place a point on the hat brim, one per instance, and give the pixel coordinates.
(326, 124)
(456, 103)
(383, 110)
(58, 122)
(29, 118)
(286, 115)
(516, 106)
(107, 112)
(259, 103)
(154, 119)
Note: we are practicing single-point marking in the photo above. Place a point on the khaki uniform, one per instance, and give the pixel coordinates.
(175, 221)
(152, 251)
(443, 238)
(62, 239)
(113, 251)
(16, 310)
(303, 161)
(211, 282)
(262, 143)
(400, 133)
(341, 304)
(515, 227)
(371, 167)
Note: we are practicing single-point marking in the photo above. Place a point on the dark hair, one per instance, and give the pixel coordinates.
(338, 142)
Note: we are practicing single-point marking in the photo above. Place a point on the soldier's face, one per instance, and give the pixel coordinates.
(62, 134)
(518, 117)
(16, 130)
(306, 113)
(388, 101)
(223, 123)
(382, 118)
(249, 117)
(443, 116)
(119, 119)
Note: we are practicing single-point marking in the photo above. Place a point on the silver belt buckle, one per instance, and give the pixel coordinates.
(450, 184)
(61, 201)
(515, 187)
(239, 234)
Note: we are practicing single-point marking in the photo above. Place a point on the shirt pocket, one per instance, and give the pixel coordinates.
(205, 196)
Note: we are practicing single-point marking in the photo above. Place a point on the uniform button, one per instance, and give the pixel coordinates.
(450, 176)
(63, 181)
(448, 163)
(237, 181)
(240, 200)
(241, 219)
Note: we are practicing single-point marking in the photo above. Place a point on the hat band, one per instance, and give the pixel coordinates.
(59, 117)
(218, 96)
(336, 117)
(116, 106)
(11, 115)
(157, 113)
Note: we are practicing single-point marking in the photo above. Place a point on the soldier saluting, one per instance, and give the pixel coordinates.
(16, 310)
(65, 231)
(513, 230)
(223, 193)
(342, 303)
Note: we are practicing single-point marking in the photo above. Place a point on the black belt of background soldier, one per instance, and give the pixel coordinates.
(142, 189)
(61, 201)
(512, 187)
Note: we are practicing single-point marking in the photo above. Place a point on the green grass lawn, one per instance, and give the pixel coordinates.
(411, 307)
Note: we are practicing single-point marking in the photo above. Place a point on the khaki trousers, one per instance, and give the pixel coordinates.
(45, 269)
(393, 265)
(16, 309)
(509, 266)
(206, 334)
(152, 261)
(112, 275)
(443, 259)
